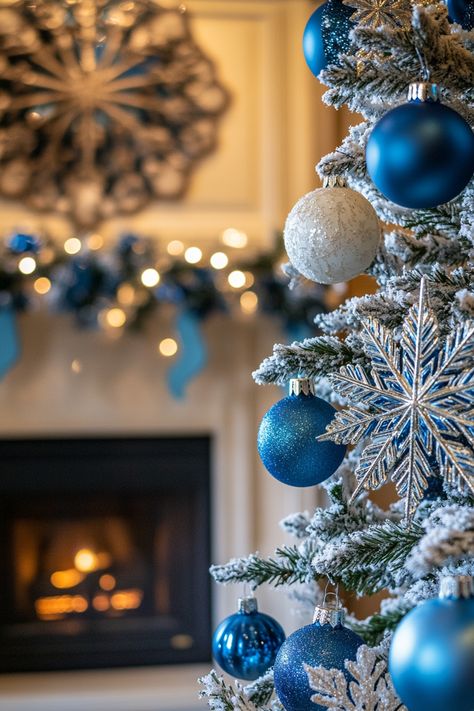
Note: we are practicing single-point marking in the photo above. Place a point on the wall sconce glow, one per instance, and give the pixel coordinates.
(27, 265)
(126, 294)
(248, 302)
(193, 255)
(175, 248)
(42, 285)
(219, 260)
(72, 245)
(236, 279)
(168, 347)
(115, 318)
(235, 238)
(95, 241)
(150, 277)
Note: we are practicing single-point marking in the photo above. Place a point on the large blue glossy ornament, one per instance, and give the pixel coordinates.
(287, 438)
(325, 643)
(326, 35)
(421, 154)
(431, 659)
(462, 12)
(245, 644)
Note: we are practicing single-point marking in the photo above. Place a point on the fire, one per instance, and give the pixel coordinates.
(55, 605)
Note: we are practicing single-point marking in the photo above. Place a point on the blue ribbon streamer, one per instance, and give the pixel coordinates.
(9, 341)
(192, 354)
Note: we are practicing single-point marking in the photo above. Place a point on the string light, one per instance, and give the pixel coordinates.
(95, 242)
(175, 248)
(76, 366)
(193, 255)
(219, 260)
(72, 245)
(248, 302)
(115, 318)
(249, 279)
(168, 347)
(150, 277)
(236, 279)
(234, 238)
(42, 285)
(27, 265)
(126, 294)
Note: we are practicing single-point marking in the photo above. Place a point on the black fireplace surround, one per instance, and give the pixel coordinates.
(104, 552)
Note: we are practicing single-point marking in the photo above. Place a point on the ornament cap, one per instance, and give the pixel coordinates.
(247, 605)
(334, 181)
(301, 386)
(328, 613)
(456, 586)
(423, 91)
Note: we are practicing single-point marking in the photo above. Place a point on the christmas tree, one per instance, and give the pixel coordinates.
(397, 364)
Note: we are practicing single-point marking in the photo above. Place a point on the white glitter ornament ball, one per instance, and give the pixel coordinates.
(332, 234)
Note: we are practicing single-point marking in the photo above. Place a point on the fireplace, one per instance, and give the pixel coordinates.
(104, 552)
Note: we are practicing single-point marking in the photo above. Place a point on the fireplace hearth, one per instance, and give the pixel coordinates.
(104, 551)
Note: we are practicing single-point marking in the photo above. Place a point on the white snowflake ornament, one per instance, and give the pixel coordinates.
(416, 406)
(370, 689)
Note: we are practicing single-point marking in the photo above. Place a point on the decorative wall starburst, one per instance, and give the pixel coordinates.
(416, 405)
(104, 104)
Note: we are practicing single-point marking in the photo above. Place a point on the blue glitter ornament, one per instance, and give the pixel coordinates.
(245, 644)
(19, 243)
(421, 154)
(431, 659)
(287, 438)
(326, 35)
(462, 12)
(326, 643)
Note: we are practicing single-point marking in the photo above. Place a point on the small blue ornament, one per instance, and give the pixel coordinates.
(287, 438)
(326, 35)
(19, 243)
(245, 644)
(326, 643)
(431, 659)
(421, 154)
(462, 12)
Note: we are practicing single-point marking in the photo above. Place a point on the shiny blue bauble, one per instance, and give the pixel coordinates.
(421, 154)
(462, 12)
(431, 659)
(316, 645)
(245, 644)
(326, 35)
(287, 441)
(19, 243)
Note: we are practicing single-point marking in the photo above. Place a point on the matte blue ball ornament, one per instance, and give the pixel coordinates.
(421, 154)
(245, 644)
(325, 643)
(326, 35)
(462, 12)
(431, 659)
(287, 438)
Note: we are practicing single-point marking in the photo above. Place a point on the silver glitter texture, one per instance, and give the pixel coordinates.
(415, 405)
(370, 686)
(332, 234)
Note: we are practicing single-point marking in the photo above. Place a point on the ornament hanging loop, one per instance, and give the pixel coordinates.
(425, 70)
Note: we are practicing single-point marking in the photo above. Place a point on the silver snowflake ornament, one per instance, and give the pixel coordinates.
(370, 689)
(415, 405)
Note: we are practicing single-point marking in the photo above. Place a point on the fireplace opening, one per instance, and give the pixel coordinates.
(104, 551)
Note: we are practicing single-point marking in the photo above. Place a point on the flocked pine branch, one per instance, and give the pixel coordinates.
(225, 697)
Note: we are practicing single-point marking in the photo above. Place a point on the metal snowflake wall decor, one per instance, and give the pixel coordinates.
(104, 105)
(416, 406)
